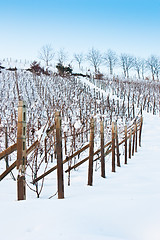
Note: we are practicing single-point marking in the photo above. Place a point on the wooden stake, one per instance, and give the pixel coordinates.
(65, 143)
(74, 142)
(59, 156)
(117, 146)
(136, 137)
(6, 146)
(130, 139)
(128, 107)
(28, 133)
(133, 107)
(133, 110)
(113, 148)
(140, 131)
(125, 131)
(91, 153)
(133, 142)
(102, 150)
(21, 151)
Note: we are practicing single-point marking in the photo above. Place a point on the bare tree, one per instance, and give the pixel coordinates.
(79, 57)
(62, 56)
(139, 65)
(95, 58)
(143, 67)
(153, 63)
(110, 59)
(46, 53)
(127, 62)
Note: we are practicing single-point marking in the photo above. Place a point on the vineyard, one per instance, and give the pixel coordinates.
(72, 123)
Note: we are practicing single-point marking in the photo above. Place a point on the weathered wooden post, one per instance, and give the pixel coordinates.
(130, 139)
(141, 109)
(136, 135)
(113, 148)
(27, 131)
(125, 132)
(102, 150)
(118, 107)
(140, 131)
(91, 153)
(65, 143)
(117, 145)
(60, 180)
(154, 107)
(6, 146)
(74, 142)
(133, 107)
(133, 142)
(133, 110)
(128, 107)
(69, 172)
(21, 151)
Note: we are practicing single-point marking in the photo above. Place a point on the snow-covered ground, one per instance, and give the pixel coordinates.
(124, 206)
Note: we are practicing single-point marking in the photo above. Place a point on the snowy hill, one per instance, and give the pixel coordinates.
(122, 206)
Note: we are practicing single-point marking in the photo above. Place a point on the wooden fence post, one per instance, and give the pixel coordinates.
(154, 106)
(133, 110)
(128, 107)
(130, 140)
(118, 107)
(133, 107)
(65, 143)
(133, 142)
(21, 151)
(6, 146)
(74, 142)
(60, 180)
(102, 150)
(140, 131)
(135, 136)
(141, 109)
(27, 133)
(125, 132)
(113, 148)
(91, 153)
(117, 146)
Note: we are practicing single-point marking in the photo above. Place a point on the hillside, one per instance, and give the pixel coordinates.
(124, 205)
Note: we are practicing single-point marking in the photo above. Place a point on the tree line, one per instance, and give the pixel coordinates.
(110, 59)
(97, 59)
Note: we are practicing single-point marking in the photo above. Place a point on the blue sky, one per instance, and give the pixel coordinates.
(129, 26)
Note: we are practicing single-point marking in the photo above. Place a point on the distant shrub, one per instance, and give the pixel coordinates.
(37, 69)
(99, 76)
(63, 71)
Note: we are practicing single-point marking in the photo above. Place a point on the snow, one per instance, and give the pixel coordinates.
(123, 206)
(77, 124)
